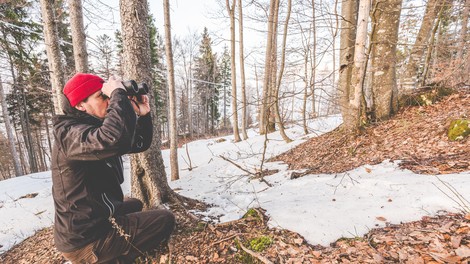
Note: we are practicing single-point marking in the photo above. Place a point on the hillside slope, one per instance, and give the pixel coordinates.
(417, 135)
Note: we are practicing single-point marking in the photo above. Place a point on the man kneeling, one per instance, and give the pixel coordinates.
(94, 223)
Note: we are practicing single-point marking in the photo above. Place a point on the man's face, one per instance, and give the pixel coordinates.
(95, 105)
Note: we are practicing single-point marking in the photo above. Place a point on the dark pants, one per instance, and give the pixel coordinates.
(147, 230)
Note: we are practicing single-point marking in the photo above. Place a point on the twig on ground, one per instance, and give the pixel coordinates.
(236, 165)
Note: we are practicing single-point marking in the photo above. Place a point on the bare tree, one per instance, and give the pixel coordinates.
(149, 182)
(231, 12)
(281, 73)
(347, 40)
(9, 130)
(359, 69)
(242, 69)
(51, 39)
(410, 78)
(78, 36)
(266, 124)
(171, 93)
(463, 30)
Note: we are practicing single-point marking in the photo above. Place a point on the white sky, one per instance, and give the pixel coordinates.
(322, 208)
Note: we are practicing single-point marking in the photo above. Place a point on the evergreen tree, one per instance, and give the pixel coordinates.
(105, 55)
(19, 39)
(157, 51)
(206, 85)
(225, 79)
(65, 36)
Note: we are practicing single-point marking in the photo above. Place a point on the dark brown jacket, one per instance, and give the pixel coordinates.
(87, 168)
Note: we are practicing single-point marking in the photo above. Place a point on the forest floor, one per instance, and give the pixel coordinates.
(417, 135)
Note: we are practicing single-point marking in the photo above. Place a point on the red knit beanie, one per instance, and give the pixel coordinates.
(80, 86)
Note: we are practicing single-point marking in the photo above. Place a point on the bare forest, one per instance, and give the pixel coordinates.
(263, 66)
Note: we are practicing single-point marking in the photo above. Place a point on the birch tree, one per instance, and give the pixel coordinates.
(242, 69)
(231, 12)
(356, 111)
(172, 94)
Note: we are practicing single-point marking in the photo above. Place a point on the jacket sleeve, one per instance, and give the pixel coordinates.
(143, 134)
(113, 137)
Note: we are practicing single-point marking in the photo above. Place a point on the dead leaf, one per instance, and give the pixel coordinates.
(298, 241)
(455, 241)
(29, 195)
(381, 218)
(368, 170)
(463, 252)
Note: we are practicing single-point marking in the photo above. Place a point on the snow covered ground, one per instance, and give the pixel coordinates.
(322, 208)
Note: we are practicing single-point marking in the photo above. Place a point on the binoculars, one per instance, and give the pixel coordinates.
(134, 89)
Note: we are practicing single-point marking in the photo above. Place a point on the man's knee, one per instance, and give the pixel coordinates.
(169, 220)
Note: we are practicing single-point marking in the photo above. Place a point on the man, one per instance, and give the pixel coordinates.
(93, 221)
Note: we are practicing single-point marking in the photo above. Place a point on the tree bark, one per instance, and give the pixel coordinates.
(231, 12)
(78, 36)
(384, 59)
(271, 50)
(148, 183)
(347, 39)
(9, 130)
(51, 39)
(171, 93)
(242, 70)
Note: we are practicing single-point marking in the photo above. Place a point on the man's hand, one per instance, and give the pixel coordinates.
(112, 84)
(141, 107)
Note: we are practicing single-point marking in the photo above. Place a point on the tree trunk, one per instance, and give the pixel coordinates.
(242, 70)
(266, 103)
(313, 63)
(281, 73)
(231, 12)
(347, 40)
(51, 39)
(411, 74)
(358, 72)
(384, 60)
(148, 183)
(463, 30)
(9, 130)
(78, 36)
(430, 48)
(172, 94)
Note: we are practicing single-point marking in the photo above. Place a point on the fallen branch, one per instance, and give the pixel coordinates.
(236, 165)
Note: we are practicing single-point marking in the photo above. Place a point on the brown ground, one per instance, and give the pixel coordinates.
(416, 135)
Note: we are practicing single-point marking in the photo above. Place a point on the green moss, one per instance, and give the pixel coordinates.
(244, 257)
(251, 213)
(260, 243)
(458, 129)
